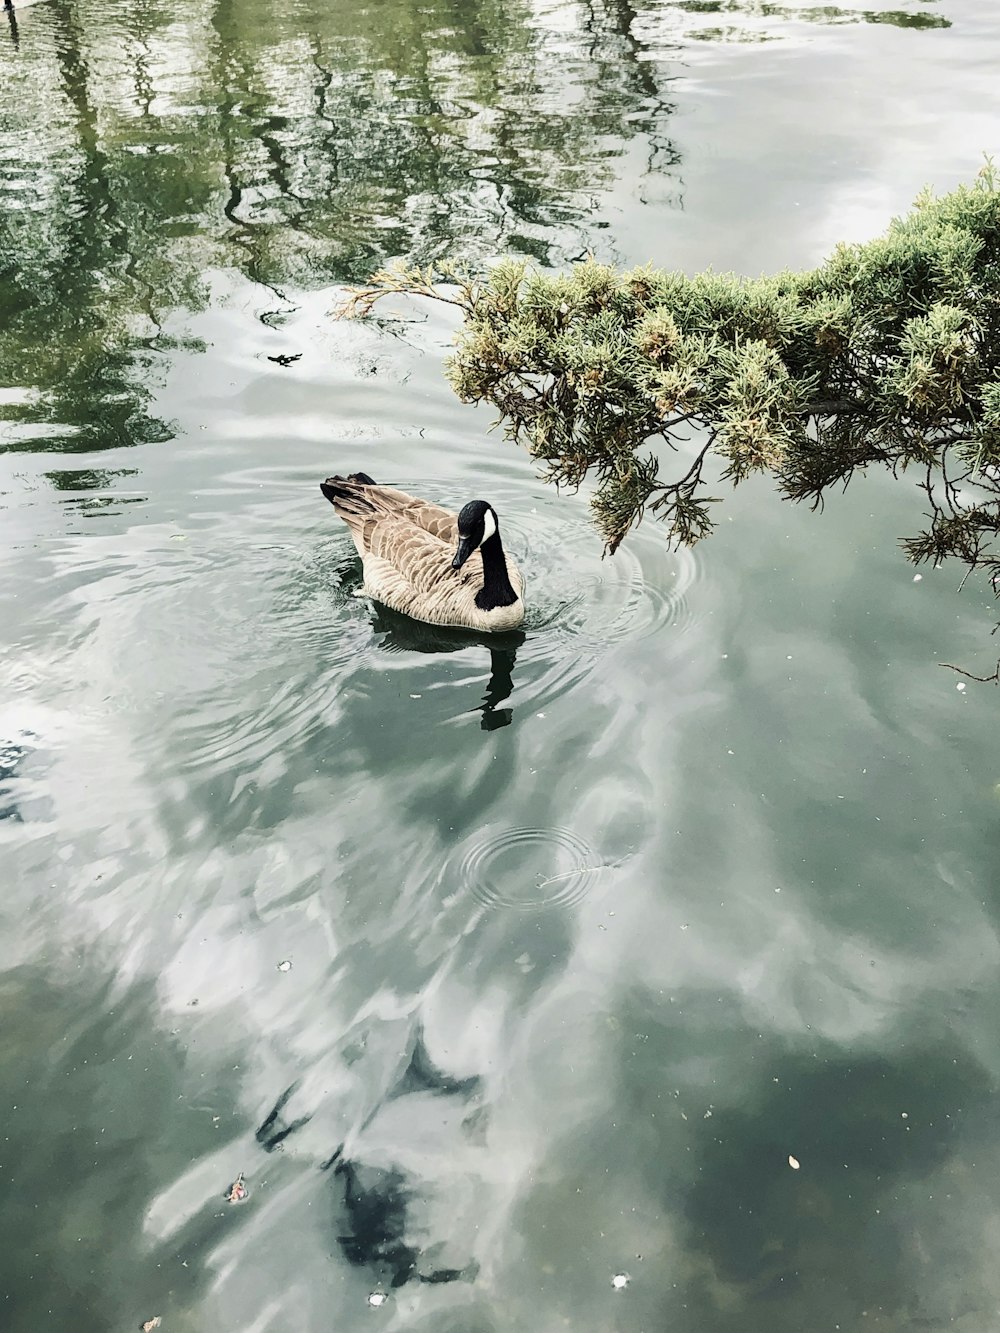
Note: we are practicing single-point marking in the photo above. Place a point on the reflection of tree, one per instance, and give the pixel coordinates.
(303, 145)
(708, 11)
(78, 308)
(88, 479)
(414, 130)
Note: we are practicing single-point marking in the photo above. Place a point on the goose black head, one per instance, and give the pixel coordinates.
(477, 523)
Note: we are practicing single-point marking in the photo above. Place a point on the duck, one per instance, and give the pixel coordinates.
(427, 562)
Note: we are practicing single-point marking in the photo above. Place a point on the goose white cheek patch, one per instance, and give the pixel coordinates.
(489, 526)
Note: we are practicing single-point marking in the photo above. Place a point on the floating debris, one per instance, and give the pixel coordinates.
(918, 578)
(285, 965)
(377, 1298)
(150, 1324)
(237, 1192)
(620, 1281)
(960, 685)
(793, 1162)
(284, 359)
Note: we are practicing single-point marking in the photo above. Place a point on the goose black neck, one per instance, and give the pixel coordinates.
(496, 589)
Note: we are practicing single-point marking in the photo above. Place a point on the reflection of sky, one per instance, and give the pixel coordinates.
(820, 137)
(207, 796)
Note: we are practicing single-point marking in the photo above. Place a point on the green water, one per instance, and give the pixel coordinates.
(545, 957)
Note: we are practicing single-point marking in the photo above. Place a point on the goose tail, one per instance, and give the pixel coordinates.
(347, 494)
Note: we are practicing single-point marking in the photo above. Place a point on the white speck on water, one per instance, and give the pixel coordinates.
(684, 927)
(285, 965)
(729, 752)
(788, 658)
(539, 715)
(620, 1281)
(917, 578)
(960, 685)
(376, 1298)
(793, 1162)
(905, 1115)
(416, 696)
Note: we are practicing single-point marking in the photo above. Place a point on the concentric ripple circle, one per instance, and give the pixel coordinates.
(640, 591)
(529, 869)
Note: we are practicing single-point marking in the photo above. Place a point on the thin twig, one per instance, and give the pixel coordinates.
(690, 480)
(985, 680)
(582, 870)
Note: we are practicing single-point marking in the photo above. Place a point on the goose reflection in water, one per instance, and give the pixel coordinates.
(8, 6)
(398, 633)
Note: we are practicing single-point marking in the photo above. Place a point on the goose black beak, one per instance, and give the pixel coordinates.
(465, 548)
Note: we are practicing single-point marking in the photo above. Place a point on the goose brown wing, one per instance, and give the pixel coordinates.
(435, 519)
(441, 523)
(419, 555)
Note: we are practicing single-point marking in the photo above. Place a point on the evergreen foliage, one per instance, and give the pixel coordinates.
(887, 353)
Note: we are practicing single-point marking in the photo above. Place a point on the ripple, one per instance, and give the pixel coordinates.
(640, 591)
(580, 607)
(248, 637)
(528, 869)
(307, 638)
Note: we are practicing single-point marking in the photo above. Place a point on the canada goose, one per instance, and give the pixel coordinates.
(431, 564)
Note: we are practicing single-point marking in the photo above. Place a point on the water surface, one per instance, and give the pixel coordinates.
(501, 970)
